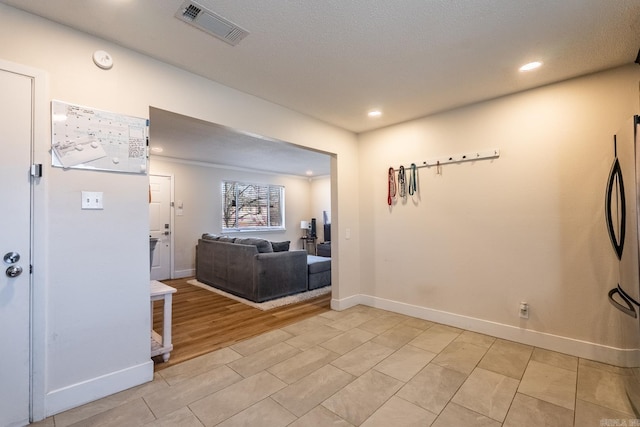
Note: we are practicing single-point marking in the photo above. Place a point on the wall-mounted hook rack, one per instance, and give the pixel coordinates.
(466, 157)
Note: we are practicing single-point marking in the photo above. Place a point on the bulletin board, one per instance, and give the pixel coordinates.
(87, 138)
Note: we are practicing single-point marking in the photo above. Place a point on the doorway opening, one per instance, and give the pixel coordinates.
(201, 155)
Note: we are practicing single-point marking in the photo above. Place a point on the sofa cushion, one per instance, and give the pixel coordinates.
(264, 246)
(280, 246)
(324, 249)
(226, 239)
(209, 236)
(316, 264)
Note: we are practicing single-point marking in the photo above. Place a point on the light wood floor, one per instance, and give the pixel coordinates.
(204, 321)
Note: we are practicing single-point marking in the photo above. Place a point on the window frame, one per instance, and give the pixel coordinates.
(252, 228)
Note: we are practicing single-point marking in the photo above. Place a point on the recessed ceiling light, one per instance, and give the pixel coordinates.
(374, 113)
(531, 66)
(157, 149)
(309, 173)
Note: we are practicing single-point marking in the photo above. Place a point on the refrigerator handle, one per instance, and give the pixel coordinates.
(616, 176)
(628, 310)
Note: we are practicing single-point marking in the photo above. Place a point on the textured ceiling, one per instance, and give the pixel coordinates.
(336, 59)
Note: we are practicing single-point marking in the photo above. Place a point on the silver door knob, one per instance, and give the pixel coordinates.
(11, 257)
(14, 271)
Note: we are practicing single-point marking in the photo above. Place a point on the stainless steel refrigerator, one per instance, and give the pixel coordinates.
(621, 212)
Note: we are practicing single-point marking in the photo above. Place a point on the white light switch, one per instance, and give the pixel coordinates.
(92, 200)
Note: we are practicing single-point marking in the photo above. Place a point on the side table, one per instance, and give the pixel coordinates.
(161, 344)
(309, 244)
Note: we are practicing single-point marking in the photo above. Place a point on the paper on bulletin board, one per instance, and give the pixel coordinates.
(87, 138)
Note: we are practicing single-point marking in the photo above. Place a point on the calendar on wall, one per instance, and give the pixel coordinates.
(87, 138)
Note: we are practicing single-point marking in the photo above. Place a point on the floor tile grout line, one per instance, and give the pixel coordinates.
(450, 401)
(201, 421)
(454, 394)
(149, 407)
(506, 415)
(575, 401)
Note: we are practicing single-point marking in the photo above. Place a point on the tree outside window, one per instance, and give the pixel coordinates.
(252, 206)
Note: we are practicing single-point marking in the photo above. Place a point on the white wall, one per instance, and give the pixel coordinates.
(96, 263)
(528, 226)
(198, 187)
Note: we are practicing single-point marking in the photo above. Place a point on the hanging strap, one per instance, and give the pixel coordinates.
(402, 182)
(391, 191)
(412, 179)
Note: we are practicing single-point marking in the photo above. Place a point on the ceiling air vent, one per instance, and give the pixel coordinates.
(205, 20)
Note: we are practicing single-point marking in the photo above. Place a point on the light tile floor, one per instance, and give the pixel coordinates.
(369, 367)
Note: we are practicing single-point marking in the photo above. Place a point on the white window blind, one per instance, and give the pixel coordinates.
(252, 206)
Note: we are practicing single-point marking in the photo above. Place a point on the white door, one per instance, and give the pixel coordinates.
(15, 229)
(160, 225)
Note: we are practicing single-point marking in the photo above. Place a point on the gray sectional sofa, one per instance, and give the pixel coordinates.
(250, 268)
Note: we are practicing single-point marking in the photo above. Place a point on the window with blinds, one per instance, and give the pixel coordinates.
(252, 206)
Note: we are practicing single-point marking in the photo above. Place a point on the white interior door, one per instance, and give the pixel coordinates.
(160, 225)
(15, 229)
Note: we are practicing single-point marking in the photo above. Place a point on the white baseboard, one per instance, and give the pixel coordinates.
(78, 394)
(587, 350)
(343, 304)
(181, 274)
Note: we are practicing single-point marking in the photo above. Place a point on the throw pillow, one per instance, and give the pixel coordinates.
(264, 246)
(280, 246)
(209, 236)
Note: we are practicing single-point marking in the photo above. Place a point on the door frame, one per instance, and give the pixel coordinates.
(172, 214)
(40, 137)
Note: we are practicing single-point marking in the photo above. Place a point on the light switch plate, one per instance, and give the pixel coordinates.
(92, 200)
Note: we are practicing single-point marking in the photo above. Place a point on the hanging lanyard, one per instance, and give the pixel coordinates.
(412, 179)
(402, 182)
(391, 193)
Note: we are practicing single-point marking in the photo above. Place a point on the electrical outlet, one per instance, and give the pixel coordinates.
(524, 310)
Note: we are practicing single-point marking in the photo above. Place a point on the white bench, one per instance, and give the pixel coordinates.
(161, 345)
